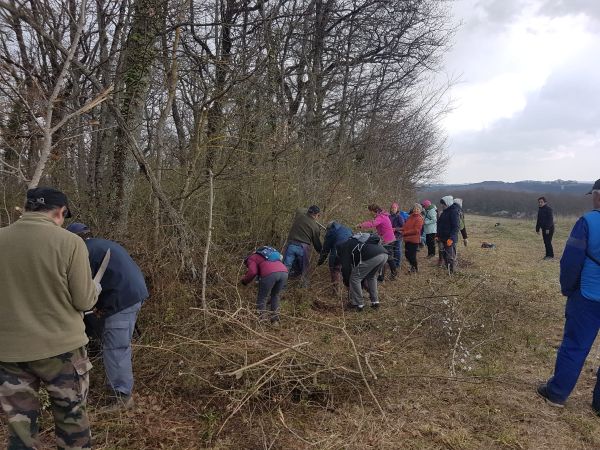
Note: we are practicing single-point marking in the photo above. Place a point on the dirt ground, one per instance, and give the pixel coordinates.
(446, 362)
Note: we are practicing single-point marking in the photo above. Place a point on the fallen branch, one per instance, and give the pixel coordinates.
(238, 373)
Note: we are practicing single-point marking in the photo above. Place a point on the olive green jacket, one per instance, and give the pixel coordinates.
(45, 285)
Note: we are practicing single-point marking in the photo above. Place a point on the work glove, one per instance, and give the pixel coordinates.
(98, 288)
(243, 283)
(449, 242)
(466, 242)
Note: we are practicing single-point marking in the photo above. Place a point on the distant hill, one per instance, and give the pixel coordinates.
(540, 187)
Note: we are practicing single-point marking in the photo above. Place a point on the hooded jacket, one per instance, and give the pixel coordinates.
(449, 222)
(430, 220)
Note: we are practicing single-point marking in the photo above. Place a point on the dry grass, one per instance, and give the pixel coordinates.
(452, 362)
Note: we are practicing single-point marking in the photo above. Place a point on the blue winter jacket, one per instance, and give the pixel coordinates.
(448, 224)
(336, 234)
(579, 274)
(123, 284)
(397, 222)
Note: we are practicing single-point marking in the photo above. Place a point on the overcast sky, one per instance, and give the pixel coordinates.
(527, 101)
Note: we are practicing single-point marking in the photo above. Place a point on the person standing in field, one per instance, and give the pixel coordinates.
(46, 286)
(397, 224)
(545, 224)
(580, 283)
(304, 233)
(448, 228)
(430, 226)
(461, 216)
(382, 223)
(412, 236)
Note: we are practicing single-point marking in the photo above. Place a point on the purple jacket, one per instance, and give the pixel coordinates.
(383, 225)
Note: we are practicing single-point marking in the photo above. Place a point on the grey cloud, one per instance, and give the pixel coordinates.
(554, 8)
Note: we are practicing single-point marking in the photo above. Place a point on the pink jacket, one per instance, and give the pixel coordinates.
(383, 225)
(257, 265)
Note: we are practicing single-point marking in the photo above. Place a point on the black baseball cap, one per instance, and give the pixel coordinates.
(595, 187)
(48, 196)
(314, 209)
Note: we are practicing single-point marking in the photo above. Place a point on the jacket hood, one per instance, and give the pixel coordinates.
(458, 201)
(448, 200)
(431, 207)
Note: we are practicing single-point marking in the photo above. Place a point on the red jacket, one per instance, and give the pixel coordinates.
(258, 265)
(412, 228)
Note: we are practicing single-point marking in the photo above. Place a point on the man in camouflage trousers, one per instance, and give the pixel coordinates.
(46, 285)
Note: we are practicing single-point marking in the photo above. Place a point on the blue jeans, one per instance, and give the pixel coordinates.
(582, 322)
(296, 260)
(116, 349)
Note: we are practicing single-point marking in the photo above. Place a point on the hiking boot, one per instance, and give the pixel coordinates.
(375, 305)
(116, 403)
(275, 323)
(380, 278)
(542, 391)
(546, 258)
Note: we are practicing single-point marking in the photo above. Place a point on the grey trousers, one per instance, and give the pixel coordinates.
(450, 256)
(270, 285)
(366, 270)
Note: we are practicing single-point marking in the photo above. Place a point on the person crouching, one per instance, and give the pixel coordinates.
(362, 258)
(266, 263)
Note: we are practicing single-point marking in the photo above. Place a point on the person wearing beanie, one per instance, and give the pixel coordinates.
(114, 316)
(430, 226)
(397, 224)
(304, 233)
(448, 227)
(46, 286)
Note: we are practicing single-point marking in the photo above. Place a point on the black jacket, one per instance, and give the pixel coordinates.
(449, 223)
(352, 252)
(123, 284)
(545, 218)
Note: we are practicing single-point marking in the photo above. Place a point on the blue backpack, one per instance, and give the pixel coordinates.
(269, 253)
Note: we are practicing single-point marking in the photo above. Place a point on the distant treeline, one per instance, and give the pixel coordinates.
(513, 204)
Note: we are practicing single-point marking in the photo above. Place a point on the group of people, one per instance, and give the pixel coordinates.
(357, 259)
(48, 288)
(49, 305)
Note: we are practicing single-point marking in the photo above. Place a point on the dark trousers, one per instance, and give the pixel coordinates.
(411, 254)
(430, 240)
(582, 322)
(270, 286)
(547, 235)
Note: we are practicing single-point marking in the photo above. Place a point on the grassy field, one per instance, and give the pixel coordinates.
(445, 363)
